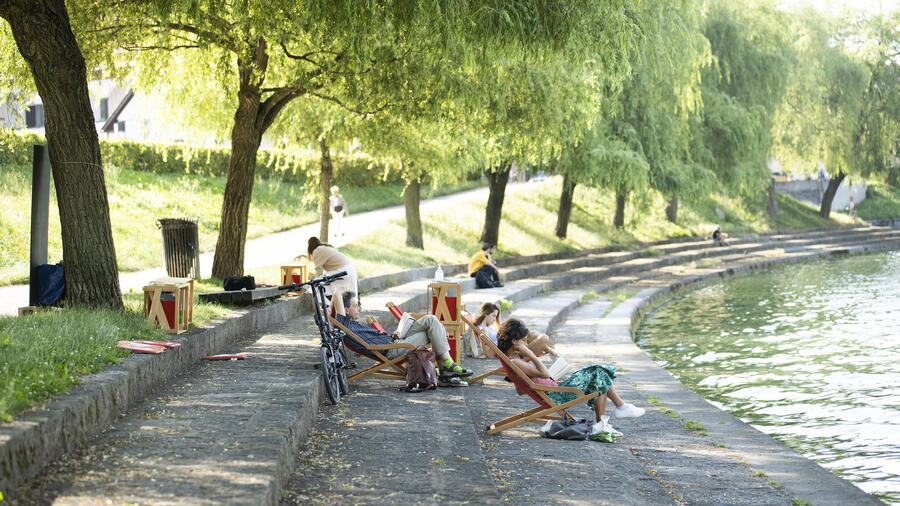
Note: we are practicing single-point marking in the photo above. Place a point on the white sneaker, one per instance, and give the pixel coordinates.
(629, 410)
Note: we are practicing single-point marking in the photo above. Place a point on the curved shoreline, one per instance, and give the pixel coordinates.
(802, 477)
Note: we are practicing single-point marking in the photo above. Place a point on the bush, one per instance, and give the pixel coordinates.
(351, 169)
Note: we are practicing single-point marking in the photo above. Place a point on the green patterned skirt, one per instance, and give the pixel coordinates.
(593, 378)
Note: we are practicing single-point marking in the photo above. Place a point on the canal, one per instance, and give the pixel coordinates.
(807, 353)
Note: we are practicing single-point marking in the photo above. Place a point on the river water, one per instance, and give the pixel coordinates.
(807, 353)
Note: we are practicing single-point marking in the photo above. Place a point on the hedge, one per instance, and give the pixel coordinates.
(352, 169)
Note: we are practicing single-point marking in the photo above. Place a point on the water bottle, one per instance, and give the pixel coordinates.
(439, 273)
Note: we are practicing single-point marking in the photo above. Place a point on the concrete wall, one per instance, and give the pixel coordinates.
(810, 191)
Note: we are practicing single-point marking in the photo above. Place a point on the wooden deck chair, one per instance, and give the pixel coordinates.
(481, 336)
(383, 367)
(546, 409)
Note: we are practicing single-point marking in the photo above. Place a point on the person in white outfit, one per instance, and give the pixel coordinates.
(338, 207)
(328, 260)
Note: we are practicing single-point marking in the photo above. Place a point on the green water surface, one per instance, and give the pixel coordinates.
(807, 353)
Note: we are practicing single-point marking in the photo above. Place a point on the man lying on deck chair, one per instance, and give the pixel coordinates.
(427, 329)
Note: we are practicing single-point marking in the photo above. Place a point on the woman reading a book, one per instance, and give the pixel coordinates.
(593, 378)
(488, 320)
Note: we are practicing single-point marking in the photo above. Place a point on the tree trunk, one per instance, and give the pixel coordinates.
(773, 201)
(565, 206)
(411, 197)
(619, 219)
(251, 120)
(45, 39)
(245, 139)
(672, 208)
(828, 196)
(326, 173)
(497, 180)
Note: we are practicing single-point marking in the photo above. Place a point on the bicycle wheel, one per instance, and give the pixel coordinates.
(342, 370)
(330, 374)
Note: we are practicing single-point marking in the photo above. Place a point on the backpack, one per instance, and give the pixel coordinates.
(567, 429)
(420, 372)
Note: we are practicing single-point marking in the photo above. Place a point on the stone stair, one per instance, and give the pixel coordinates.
(227, 432)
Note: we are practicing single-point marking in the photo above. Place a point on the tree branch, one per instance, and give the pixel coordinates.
(349, 108)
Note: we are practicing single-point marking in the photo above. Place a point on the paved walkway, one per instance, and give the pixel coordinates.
(228, 432)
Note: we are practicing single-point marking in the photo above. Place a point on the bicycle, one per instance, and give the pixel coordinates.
(332, 353)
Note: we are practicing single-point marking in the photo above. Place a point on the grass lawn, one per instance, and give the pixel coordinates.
(137, 199)
(48, 352)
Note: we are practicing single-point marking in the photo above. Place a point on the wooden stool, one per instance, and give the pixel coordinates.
(173, 315)
(444, 300)
(293, 273)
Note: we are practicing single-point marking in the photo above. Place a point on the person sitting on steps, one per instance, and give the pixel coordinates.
(488, 320)
(593, 378)
(483, 268)
(719, 237)
(427, 329)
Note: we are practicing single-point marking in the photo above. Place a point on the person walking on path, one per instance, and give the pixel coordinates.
(593, 378)
(338, 207)
(328, 260)
(483, 268)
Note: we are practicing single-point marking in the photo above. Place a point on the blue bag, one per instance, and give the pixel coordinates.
(51, 283)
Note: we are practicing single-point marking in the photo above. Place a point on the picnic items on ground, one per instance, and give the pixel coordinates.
(573, 430)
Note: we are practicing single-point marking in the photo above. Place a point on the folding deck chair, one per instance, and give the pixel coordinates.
(546, 410)
(383, 366)
(469, 320)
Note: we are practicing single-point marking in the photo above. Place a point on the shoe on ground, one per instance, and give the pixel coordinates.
(455, 371)
(604, 426)
(629, 410)
(451, 382)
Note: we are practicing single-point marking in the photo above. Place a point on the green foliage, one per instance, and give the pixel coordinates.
(294, 166)
(882, 201)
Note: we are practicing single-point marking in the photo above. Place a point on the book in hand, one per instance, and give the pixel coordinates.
(558, 368)
(406, 322)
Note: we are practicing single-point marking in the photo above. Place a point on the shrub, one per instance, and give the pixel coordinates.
(351, 169)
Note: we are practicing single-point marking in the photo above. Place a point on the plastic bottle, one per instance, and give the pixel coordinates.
(439, 273)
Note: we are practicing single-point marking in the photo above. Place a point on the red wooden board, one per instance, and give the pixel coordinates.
(164, 344)
(140, 347)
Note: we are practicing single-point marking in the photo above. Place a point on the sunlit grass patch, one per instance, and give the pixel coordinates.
(48, 352)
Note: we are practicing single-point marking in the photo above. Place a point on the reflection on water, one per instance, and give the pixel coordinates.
(809, 354)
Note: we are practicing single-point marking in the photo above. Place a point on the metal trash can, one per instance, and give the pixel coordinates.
(181, 246)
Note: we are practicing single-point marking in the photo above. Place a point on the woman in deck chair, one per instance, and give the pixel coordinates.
(488, 320)
(593, 378)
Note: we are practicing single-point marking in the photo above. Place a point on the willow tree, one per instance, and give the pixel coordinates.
(45, 40)
(662, 93)
(361, 55)
(753, 60)
(843, 104)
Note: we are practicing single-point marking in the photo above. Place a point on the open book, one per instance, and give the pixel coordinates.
(558, 368)
(406, 322)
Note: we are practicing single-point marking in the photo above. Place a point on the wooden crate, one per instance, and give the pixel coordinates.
(444, 300)
(294, 273)
(173, 315)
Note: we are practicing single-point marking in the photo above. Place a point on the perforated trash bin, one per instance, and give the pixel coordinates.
(181, 246)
